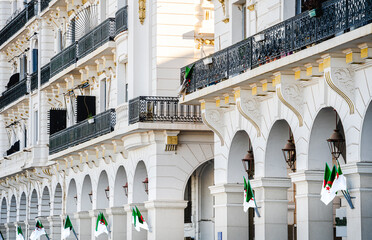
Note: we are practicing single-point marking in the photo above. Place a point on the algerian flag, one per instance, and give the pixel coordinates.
(138, 220)
(101, 225)
(340, 181)
(19, 234)
(186, 78)
(39, 231)
(248, 196)
(67, 228)
(327, 195)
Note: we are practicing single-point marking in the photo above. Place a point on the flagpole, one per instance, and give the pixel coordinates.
(73, 230)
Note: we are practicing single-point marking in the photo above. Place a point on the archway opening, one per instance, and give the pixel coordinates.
(34, 204)
(86, 194)
(120, 198)
(4, 216)
(45, 203)
(22, 207)
(319, 154)
(13, 210)
(103, 191)
(57, 208)
(366, 150)
(139, 191)
(199, 213)
(72, 198)
(276, 167)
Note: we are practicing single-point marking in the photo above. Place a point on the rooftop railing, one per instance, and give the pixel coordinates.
(83, 131)
(278, 41)
(161, 109)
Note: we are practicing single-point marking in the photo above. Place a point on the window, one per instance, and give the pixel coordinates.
(34, 60)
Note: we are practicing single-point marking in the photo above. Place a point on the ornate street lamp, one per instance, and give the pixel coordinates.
(336, 142)
(146, 184)
(248, 162)
(126, 189)
(90, 196)
(107, 192)
(289, 152)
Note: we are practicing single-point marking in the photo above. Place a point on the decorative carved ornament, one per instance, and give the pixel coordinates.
(248, 106)
(338, 76)
(142, 10)
(290, 93)
(213, 117)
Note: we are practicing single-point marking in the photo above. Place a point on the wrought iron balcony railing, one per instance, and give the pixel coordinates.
(45, 75)
(18, 21)
(12, 94)
(44, 4)
(121, 17)
(63, 59)
(161, 109)
(97, 37)
(83, 131)
(34, 81)
(278, 41)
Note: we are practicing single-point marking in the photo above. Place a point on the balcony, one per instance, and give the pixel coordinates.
(161, 109)
(18, 21)
(83, 131)
(13, 93)
(278, 41)
(97, 37)
(121, 17)
(63, 59)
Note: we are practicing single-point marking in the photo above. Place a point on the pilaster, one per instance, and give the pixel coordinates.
(118, 222)
(83, 220)
(230, 219)
(55, 225)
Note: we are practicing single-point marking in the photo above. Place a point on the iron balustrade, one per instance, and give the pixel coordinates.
(161, 109)
(121, 17)
(83, 131)
(97, 37)
(44, 4)
(14, 93)
(63, 59)
(34, 82)
(18, 21)
(45, 73)
(278, 41)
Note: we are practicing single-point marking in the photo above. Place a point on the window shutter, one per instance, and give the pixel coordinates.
(34, 60)
(85, 107)
(57, 120)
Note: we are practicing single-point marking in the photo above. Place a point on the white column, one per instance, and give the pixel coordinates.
(47, 45)
(118, 222)
(359, 219)
(314, 218)
(11, 230)
(55, 227)
(165, 219)
(230, 219)
(132, 233)
(84, 225)
(271, 196)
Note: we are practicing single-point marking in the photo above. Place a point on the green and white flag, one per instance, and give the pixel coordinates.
(340, 181)
(19, 234)
(248, 196)
(138, 220)
(101, 225)
(327, 194)
(39, 231)
(67, 228)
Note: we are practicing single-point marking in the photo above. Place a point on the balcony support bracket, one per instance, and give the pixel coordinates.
(213, 118)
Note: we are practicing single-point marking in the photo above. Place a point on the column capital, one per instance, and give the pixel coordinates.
(307, 175)
(115, 211)
(271, 182)
(82, 215)
(140, 206)
(227, 188)
(171, 204)
(357, 167)
(95, 212)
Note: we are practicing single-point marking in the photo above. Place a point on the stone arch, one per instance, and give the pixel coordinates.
(238, 149)
(275, 166)
(140, 174)
(120, 198)
(4, 211)
(86, 194)
(45, 202)
(71, 198)
(366, 136)
(322, 128)
(13, 210)
(22, 207)
(102, 202)
(57, 206)
(34, 205)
